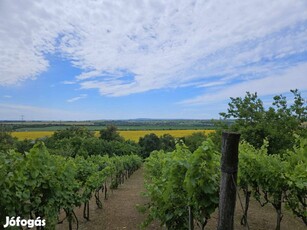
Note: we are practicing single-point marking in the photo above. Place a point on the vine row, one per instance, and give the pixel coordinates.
(39, 184)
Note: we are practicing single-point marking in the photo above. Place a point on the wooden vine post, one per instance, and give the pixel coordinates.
(229, 168)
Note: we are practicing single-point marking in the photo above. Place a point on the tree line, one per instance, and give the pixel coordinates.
(76, 140)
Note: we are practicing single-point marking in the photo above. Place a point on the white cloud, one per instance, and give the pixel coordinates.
(210, 84)
(7, 96)
(158, 43)
(68, 82)
(15, 111)
(81, 96)
(293, 78)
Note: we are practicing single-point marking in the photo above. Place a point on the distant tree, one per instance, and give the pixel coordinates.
(66, 146)
(95, 146)
(123, 148)
(216, 136)
(67, 142)
(71, 132)
(277, 124)
(167, 142)
(24, 145)
(7, 141)
(82, 144)
(110, 134)
(149, 143)
(194, 140)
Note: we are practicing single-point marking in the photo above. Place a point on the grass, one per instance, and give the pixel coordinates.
(128, 135)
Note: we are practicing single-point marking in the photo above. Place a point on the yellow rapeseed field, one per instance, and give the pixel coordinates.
(128, 135)
(32, 134)
(135, 135)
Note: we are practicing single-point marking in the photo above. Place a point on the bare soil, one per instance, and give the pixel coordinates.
(260, 218)
(120, 212)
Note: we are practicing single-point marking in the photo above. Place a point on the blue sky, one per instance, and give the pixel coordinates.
(83, 60)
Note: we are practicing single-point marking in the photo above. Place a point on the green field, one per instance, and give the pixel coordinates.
(147, 124)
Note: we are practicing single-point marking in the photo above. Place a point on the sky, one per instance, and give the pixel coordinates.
(174, 59)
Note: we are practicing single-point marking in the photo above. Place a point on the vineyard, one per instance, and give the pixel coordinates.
(40, 185)
(180, 184)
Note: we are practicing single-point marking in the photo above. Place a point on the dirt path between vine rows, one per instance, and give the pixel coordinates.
(119, 210)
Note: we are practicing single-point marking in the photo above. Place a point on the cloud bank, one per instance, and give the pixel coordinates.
(127, 47)
(293, 78)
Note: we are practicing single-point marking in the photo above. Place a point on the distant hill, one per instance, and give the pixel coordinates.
(129, 124)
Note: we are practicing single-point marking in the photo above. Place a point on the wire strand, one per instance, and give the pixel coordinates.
(233, 180)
